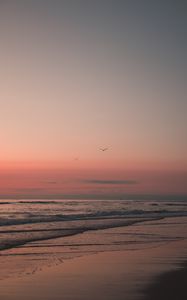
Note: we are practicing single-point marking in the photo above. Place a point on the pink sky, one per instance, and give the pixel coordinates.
(70, 85)
(56, 182)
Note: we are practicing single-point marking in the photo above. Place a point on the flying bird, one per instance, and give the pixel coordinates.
(103, 149)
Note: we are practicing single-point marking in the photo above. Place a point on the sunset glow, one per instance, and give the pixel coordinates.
(72, 84)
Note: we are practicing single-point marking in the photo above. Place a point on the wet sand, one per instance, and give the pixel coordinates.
(117, 275)
(170, 285)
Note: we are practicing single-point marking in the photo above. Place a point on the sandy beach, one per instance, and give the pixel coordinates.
(169, 285)
(148, 274)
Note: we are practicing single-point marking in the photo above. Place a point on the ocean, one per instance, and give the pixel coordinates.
(39, 233)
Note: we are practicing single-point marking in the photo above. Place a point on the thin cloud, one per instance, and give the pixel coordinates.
(98, 181)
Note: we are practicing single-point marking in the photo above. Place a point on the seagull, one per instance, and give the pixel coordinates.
(103, 149)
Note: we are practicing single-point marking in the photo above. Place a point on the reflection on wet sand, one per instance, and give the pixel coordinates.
(98, 268)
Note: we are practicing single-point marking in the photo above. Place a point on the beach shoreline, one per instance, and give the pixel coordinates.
(128, 274)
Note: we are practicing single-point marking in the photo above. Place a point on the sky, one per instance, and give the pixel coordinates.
(80, 75)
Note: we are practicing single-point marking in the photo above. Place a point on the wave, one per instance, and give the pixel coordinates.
(63, 232)
(25, 221)
(21, 241)
(98, 215)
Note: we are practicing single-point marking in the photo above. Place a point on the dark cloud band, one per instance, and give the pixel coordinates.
(98, 181)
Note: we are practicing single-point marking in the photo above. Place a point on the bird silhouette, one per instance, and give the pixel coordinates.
(103, 149)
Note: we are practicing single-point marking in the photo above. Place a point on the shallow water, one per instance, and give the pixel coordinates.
(22, 221)
(37, 234)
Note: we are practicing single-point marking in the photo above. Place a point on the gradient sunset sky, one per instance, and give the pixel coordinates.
(79, 75)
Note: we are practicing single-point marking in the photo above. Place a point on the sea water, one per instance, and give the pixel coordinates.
(38, 233)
